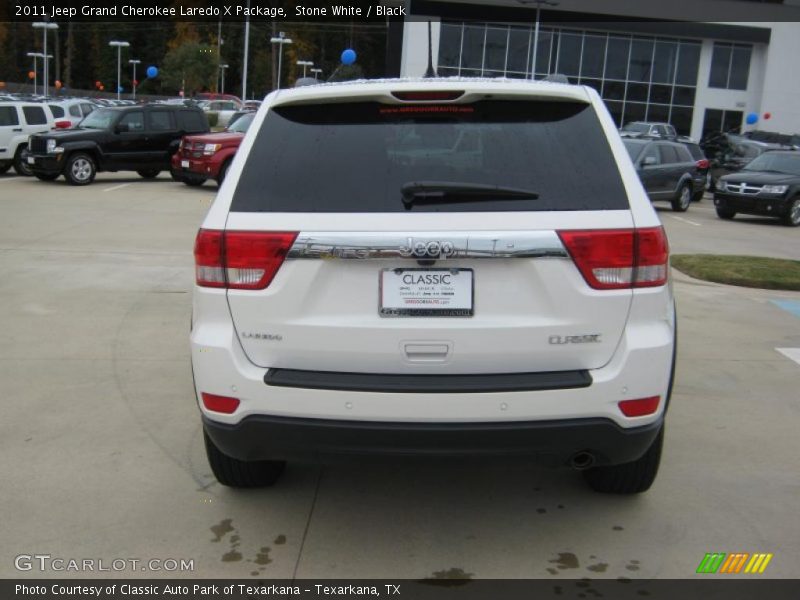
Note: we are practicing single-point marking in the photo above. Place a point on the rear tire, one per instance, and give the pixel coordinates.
(149, 173)
(726, 213)
(628, 478)
(683, 200)
(241, 474)
(20, 164)
(80, 169)
(46, 176)
(792, 216)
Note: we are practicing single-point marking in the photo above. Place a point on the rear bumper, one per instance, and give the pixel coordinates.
(549, 443)
(766, 205)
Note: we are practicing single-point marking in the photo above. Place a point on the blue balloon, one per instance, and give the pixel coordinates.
(152, 72)
(120, 89)
(348, 57)
(752, 118)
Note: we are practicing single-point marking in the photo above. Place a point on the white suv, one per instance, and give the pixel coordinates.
(18, 121)
(444, 267)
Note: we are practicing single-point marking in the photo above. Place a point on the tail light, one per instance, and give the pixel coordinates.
(428, 96)
(612, 259)
(240, 260)
(220, 404)
(703, 163)
(639, 407)
(63, 124)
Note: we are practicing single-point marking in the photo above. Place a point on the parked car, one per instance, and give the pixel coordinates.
(769, 185)
(728, 153)
(251, 105)
(208, 156)
(783, 139)
(667, 171)
(217, 96)
(703, 167)
(224, 109)
(19, 120)
(68, 113)
(136, 138)
(636, 129)
(373, 278)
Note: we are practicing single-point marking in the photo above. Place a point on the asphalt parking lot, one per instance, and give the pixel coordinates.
(103, 455)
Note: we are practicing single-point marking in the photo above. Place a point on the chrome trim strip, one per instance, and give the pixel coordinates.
(427, 245)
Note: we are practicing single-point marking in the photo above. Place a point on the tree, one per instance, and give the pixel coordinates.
(192, 67)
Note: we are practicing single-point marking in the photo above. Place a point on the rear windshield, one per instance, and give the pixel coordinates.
(357, 157)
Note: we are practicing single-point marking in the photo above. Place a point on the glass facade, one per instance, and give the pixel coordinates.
(730, 66)
(640, 78)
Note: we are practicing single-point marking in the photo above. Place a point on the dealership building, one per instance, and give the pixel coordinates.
(702, 65)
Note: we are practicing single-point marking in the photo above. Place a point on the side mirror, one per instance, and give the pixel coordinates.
(649, 161)
(122, 128)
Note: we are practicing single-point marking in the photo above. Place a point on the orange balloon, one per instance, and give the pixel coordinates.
(2, 84)
(31, 75)
(102, 87)
(58, 84)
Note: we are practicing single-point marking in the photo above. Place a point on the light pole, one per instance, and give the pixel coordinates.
(222, 71)
(317, 73)
(44, 26)
(538, 4)
(119, 46)
(304, 64)
(35, 55)
(246, 51)
(281, 39)
(133, 62)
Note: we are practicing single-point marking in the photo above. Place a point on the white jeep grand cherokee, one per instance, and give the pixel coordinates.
(445, 267)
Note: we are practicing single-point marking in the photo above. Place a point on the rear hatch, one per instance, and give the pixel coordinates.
(431, 235)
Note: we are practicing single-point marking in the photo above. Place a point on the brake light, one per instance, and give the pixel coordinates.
(639, 407)
(428, 96)
(241, 260)
(63, 124)
(611, 259)
(220, 404)
(702, 163)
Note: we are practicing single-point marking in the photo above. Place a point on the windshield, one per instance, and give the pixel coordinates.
(99, 119)
(357, 156)
(774, 161)
(241, 124)
(637, 127)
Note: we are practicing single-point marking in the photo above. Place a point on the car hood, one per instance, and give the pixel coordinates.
(71, 135)
(221, 137)
(761, 178)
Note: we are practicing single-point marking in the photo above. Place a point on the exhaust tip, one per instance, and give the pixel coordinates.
(582, 460)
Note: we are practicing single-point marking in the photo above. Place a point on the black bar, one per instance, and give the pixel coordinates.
(428, 384)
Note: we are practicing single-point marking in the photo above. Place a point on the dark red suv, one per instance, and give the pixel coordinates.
(208, 156)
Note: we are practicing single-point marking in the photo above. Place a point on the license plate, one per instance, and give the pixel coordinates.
(31, 160)
(426, 293)
(185, 164)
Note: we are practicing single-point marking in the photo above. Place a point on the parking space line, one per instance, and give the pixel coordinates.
(116, 187)
(790, 353)
(682, 220)
(791, 306)
(12, 178)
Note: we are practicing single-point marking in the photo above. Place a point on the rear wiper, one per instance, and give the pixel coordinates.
(437, 192)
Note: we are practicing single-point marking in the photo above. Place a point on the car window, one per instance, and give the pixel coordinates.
(87, 108)
(8, 116)
(193, 121)
(228, 106)
(683, 154)
(695, 151)
(636, 128)
(162, 120)
(75, 111)
(241, 124)
(57, 111)
(34, 115)
(667, 154)
(651, 152)
(670, 130)
(134, 121)
(362, 154)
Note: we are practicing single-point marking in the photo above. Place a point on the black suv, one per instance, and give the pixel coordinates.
(667, 170)
(135, 138)
(769, 185)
